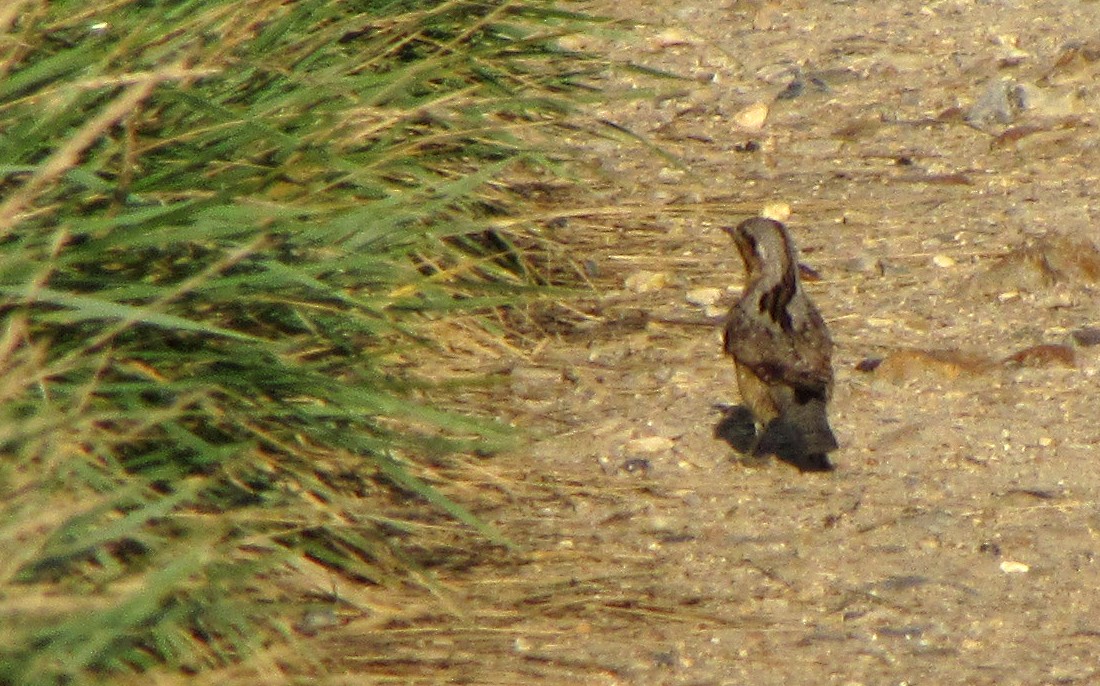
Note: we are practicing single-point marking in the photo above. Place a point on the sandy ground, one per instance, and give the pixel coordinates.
(916, 145)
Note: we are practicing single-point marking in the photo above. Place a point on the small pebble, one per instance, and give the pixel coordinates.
(992, 105)
(779, 211)
(1087, 336)
(943, 261)
(671, 38)
(645, 282)
(752, 118)
(316, 620)
(669, 175)
(1010, 567)
(862, 264)
(868, 364)
(714, 310)
(794, 89)
(703, 297)
(649, 444)
(636, 465)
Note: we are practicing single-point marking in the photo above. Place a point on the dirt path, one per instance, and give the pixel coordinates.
(957, 542)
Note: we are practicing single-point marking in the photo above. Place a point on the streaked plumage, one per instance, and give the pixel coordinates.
(781, 348)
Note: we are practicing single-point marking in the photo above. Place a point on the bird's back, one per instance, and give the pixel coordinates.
(781, 348)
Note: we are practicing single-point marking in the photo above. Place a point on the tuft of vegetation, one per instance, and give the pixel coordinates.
(224, 227)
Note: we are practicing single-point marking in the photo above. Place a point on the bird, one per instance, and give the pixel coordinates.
(781, 350)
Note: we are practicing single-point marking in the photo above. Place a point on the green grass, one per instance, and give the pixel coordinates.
(224, 226)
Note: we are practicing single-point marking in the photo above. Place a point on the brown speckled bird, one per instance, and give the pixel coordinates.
(782, 350)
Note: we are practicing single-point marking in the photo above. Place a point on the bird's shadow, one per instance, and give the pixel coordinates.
(737, 427)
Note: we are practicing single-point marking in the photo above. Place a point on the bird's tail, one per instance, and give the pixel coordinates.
(813, 423)
(800, 436)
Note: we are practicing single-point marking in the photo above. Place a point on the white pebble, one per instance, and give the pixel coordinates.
(752, 118)
(703, 297)
(650, 444)
(646, 282)
(779, 211)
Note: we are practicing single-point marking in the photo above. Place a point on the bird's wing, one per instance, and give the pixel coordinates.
(801, 361)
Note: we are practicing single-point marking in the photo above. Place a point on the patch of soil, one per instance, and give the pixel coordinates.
(916, 145)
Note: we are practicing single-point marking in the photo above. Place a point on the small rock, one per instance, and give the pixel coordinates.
(868, 364)
(669, 175)
(779, 211)
(862, 264)
(703, 297)
(993, 106)
(671, 38)
(880, 322)
(795, 88)
(577, 42)
(715, 310)
(752, 118)
(313, 621)
(943, 261)
(1086, 337)
(645, 282)
(1061, 298)
(1010, 567)
(659, 523)
(521, 645)
(636, 465)
(649, 445)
